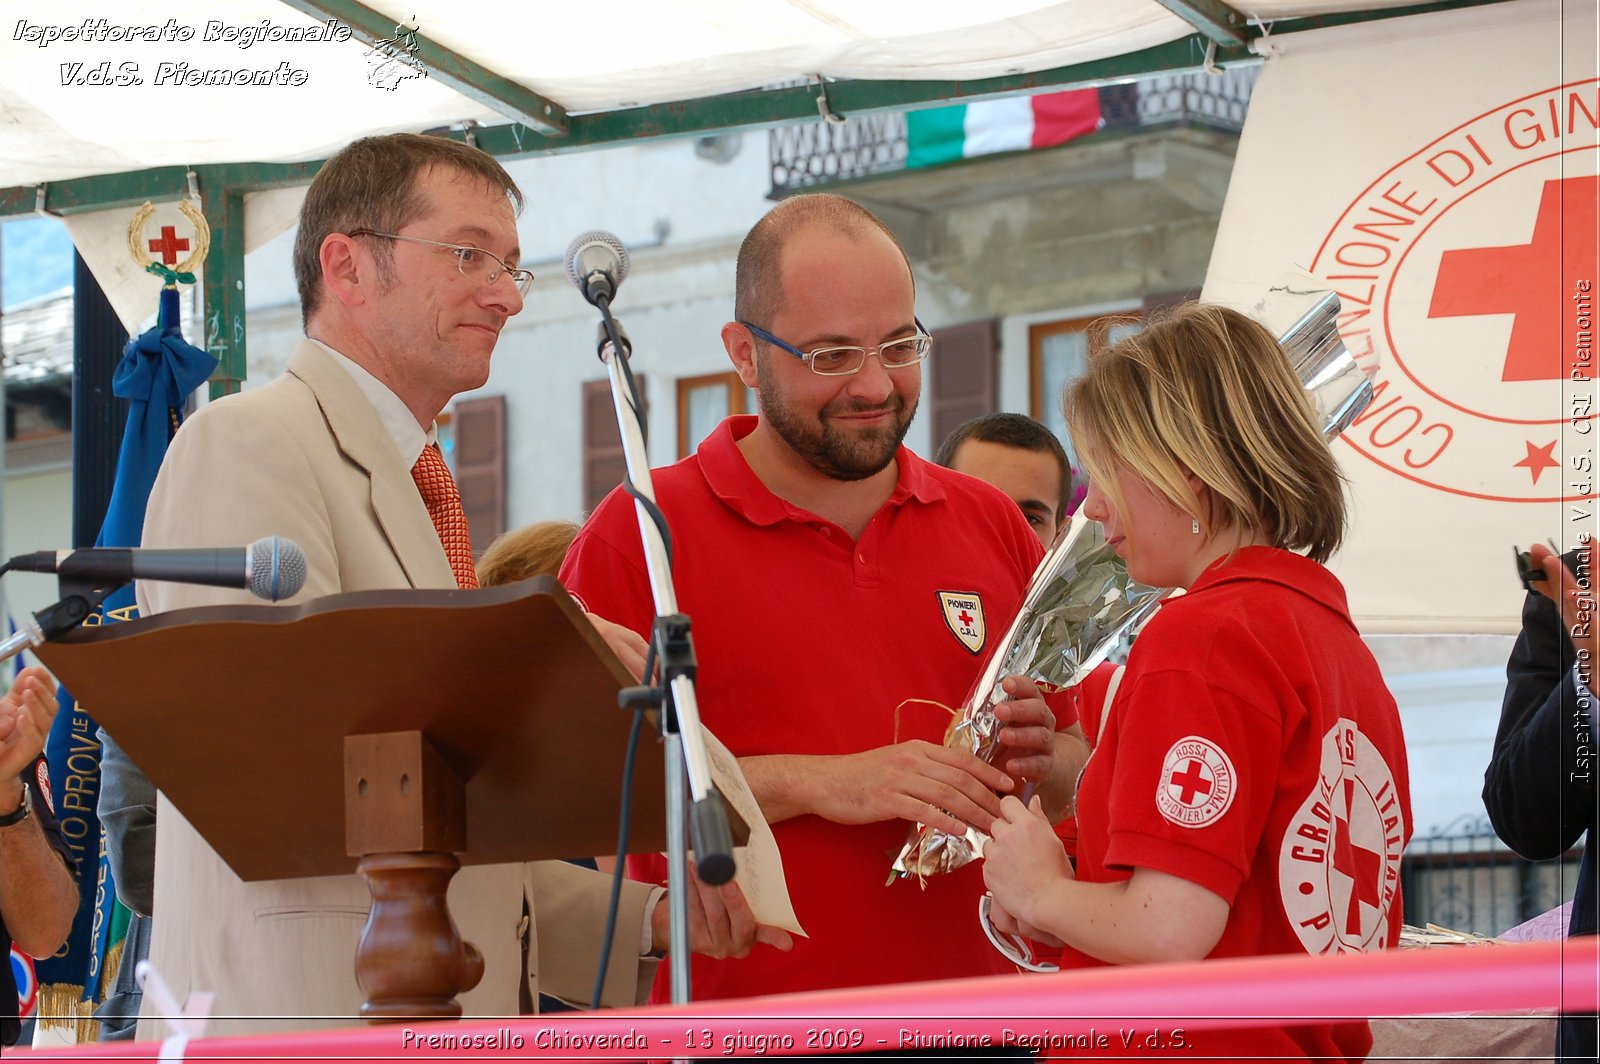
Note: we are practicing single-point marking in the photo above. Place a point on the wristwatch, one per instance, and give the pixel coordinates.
(23, 809)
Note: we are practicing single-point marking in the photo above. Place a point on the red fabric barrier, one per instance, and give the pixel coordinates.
(1103, 1003)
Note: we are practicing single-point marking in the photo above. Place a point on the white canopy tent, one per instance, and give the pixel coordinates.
(541, 64)
(233, 102)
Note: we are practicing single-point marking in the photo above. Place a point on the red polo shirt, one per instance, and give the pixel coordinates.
(807, 642)
(1253, 749)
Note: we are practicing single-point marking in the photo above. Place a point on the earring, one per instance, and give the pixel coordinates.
(1194, 525)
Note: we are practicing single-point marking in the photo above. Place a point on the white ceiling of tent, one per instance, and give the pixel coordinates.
(58, 122)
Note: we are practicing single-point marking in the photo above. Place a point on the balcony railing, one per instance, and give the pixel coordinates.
(819, 153)
(1463, 878)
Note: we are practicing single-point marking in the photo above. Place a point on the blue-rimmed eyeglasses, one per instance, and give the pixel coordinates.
(475, 264)
(846, 359)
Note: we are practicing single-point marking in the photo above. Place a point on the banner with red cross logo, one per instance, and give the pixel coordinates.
(1440, 173)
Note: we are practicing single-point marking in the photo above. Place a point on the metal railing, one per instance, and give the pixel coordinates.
(1218, 101)
(820, 153)
(1462, 877)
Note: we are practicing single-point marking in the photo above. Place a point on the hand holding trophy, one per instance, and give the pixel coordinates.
(1081, 599)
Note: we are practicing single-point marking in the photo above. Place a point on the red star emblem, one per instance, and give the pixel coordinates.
(1538, 459)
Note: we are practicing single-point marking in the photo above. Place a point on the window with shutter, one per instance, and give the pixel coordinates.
(1058, 353)
(963, 375)
(479, 429)
(704, 401)
(604, 466)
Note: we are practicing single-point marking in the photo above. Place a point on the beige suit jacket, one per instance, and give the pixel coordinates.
(307, 458)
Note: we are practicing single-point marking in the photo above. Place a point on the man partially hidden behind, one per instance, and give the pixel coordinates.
(406, 264)
(1540, 787)
(834, 579)
(1023, 459)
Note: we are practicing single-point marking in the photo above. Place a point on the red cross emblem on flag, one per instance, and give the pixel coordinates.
(161, 248)
(169, 245)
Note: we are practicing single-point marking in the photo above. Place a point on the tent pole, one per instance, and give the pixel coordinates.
(223, 208)
(97, 417)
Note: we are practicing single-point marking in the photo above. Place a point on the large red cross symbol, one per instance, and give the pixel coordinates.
(1364, 867)
(1190, 781)
(170, 244)
(1533, 281)
(966, 619)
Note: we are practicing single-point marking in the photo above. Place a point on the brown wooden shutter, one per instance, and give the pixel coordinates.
(964, 375)
(603, 464)
(480, 434)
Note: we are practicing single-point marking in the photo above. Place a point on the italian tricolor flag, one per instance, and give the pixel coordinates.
(1017, 123)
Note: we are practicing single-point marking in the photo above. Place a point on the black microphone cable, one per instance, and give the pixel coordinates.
(624, 823)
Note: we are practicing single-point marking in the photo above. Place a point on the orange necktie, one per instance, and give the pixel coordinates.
(440, 495)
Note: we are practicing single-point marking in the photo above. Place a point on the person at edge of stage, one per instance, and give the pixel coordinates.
(1539, 788)
(38, 898)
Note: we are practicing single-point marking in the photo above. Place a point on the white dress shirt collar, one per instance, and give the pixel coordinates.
(409, 437)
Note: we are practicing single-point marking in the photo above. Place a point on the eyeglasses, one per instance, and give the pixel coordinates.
(475, 264)
(1014, 948)
(842, 361)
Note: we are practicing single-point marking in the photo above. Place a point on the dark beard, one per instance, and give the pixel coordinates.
(842, 456)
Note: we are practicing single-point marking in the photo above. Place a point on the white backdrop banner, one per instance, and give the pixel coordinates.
(1440, 173)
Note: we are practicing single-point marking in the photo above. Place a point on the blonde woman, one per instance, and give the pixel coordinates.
(1248, 794)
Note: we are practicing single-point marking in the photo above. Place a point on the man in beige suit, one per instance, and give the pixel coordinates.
(406, 264)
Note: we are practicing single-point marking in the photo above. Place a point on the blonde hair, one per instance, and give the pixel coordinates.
(532, 550)
(1208, 391)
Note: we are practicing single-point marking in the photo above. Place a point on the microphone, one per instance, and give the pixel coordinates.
(271, 568)
(597, 262)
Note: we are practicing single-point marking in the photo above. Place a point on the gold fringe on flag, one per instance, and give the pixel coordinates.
(110, 965)
(63, 1012)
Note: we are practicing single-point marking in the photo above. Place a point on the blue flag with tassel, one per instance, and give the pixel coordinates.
(158, 371)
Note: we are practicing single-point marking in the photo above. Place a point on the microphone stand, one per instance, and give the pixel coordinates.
(674, 695)
(78, 600)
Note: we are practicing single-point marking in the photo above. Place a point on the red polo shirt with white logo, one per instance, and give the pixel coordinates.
(1254, 749)
(807, 644)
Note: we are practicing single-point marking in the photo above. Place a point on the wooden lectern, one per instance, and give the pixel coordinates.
(394, 733)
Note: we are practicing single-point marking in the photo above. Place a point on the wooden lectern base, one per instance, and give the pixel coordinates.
(405, 819)
(411, 962)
